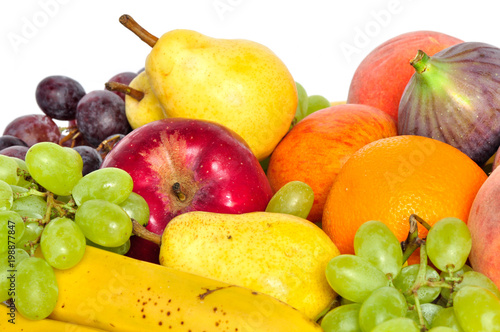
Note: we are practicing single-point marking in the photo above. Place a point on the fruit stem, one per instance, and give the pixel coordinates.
(176, 188)
(128, 22)
(421, 221)
(412, 241)
(120, 87)
(420, 62)
(142, 232)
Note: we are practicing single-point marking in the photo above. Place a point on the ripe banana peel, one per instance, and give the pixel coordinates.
(117, 293)
(21, 324)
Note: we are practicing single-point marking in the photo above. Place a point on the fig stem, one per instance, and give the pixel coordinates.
(128, 22)
(143, 233)
(123, 88)
(420, 61)
(176, 188)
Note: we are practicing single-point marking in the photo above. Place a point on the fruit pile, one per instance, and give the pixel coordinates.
(210, 191)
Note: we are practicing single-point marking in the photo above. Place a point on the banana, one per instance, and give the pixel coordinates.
(117, 293)
(15, 322)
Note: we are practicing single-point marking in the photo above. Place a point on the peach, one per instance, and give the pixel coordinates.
(484, 226)
(318, 146)
(382, 76)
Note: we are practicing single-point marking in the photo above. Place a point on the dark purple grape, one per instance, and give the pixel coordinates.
(18, 151)
(100, 114)
(58, 96)
(34, 128)
(124, 78)
(9, 140)
(91, 158)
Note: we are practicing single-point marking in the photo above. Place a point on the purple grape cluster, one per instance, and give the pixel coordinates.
(92, 119)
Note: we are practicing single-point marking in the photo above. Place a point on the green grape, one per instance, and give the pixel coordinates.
(316, 103)
(137, 208)
(477, 309)
(6, 198)
(22, 180)
(32, 231)
(295, 198)
(11, 229)
(442, 329)
(353, 277)
(447, 318)
(375, 242)
(33, 203)
(343, 318)
(121, 250)
(397, 325)
(406, 280)
(382, 305)
(449, 244)
(62, 243)
(301, 110)
(429, 311)
(36, 288)
(472, 278)
(8, 170)
(109, 183)
(8, 262)
(54, 167)
(104, 223)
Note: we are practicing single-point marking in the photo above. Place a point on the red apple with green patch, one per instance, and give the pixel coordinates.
(180, 165)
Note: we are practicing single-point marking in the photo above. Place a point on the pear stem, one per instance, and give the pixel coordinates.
(128, 22)
(420, 62)
(123, 88)
(142, 232)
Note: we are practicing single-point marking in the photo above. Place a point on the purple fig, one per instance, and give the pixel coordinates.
(453, 96)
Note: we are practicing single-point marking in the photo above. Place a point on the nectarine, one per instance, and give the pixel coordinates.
(318, 146)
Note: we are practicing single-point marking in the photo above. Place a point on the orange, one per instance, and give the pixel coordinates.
(391, 178)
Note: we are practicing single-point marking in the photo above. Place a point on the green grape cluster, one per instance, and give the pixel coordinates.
(49, 213)
(378, 292)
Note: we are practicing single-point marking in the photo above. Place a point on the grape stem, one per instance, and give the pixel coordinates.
(128, 22)
(124, 88)
(412, 241)
(142, 232)
(30, 192)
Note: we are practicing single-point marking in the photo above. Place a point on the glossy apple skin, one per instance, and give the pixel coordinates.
(215, 168)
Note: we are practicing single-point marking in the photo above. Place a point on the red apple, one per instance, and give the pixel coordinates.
(180, 165)
(382, 76)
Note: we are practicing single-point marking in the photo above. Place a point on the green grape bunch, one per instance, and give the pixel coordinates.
(379, 292)
(49, 213)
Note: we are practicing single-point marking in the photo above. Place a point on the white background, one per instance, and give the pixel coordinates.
(84, 40)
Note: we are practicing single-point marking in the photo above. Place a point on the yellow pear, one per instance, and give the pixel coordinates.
(277, 254)
(145, 110)
(238, 83)
(141, 104)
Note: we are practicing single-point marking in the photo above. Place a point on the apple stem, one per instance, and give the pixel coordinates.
(420, 61)
(120, 87)
(128, 22)
(142, 232)
(176, 188)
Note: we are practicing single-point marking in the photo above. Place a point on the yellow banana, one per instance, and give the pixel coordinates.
(15, 322)
(117, 293)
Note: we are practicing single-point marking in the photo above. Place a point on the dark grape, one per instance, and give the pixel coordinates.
(58, 96)
(34, 128)
(99, 114)
(18, 151)
(9, 140)
(91, 158)
(124, 78)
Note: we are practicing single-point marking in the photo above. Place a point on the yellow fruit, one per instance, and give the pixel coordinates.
(118, 293)
(277, 254)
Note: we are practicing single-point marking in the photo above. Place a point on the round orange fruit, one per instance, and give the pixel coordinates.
(392, 178)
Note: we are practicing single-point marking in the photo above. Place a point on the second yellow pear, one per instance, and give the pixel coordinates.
(238, 83)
